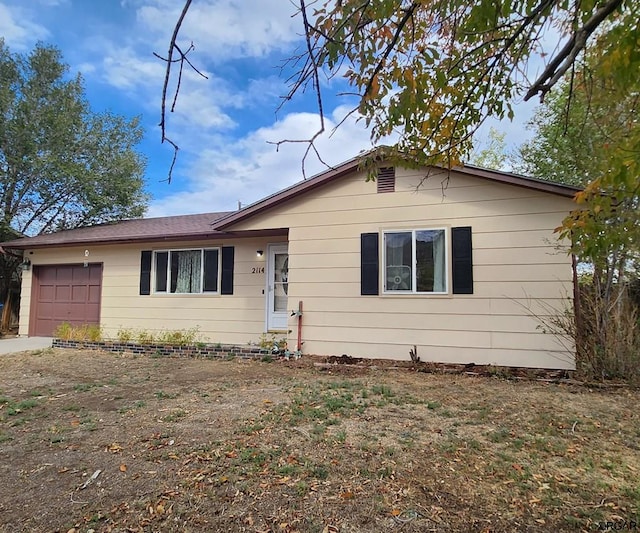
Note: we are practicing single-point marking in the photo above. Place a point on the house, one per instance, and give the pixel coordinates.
(462, 267)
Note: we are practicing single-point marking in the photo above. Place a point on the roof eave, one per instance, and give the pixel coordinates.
(303, 187)
(288, 194)
(217, 235)
(560, 189)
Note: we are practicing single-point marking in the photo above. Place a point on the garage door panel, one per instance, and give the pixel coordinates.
(46, 293)
(79, 293)
(77, 312)
(63, 274)
(94, 294)
(65, 293)
(45, 309)
(80, 276)
(48, 277)
(95, 275)
(62, 293)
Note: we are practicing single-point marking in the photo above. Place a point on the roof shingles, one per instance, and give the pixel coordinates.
(140, 229)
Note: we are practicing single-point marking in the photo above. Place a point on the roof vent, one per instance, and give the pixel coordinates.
(386, 179)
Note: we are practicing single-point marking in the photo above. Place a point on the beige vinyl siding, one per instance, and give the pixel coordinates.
(518, 271)
(237, 318)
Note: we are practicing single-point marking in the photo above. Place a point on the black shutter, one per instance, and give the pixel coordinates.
(210, 271)
(369, 272)
(145, 272)
(162, 262)
(226, 284)
(462, 260)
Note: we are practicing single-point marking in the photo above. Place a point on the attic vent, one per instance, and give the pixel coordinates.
(386, 179)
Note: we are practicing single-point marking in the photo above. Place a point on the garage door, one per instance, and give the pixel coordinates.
(64, 293)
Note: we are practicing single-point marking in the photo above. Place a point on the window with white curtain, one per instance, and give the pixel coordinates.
(415, 261)
(186, 271)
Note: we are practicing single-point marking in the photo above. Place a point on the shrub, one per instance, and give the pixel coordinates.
(125, 335)
(606, 334)
(83, 332)
(179, 337)
(269, 342)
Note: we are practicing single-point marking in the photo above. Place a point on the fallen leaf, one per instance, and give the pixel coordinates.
(114, 448)
(347, 495)
(395, 512)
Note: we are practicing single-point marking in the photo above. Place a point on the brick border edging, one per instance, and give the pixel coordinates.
(187, 350)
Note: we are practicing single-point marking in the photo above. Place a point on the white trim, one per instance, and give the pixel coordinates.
(202, 250)
(272, 249)
(414, 284)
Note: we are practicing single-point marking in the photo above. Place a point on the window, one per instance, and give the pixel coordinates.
(416, 261)
(186, 271)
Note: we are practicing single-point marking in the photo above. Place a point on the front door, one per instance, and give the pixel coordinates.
(277, 287)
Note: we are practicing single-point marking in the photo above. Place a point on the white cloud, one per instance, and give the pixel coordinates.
(249, 169)
(18, 29)
(125, 69)
(198, 109)
(225, 29)
(54, 3)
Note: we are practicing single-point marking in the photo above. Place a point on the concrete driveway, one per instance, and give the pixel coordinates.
(22, 344)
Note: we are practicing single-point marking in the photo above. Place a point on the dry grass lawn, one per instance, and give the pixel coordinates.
(91, 441)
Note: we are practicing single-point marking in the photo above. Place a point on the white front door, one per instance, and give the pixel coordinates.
(277, 287)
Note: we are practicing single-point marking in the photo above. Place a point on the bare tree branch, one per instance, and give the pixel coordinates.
(308, 29)
(567, 56)
(170, 61)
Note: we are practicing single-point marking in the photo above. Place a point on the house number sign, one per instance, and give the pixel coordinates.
(257, 270)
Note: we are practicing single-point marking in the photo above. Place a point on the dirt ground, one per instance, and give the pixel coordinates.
(92, 441)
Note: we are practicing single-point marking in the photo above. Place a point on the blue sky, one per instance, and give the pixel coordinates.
(223, 125)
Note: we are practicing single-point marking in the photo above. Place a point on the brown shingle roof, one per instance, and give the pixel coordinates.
(126, 231)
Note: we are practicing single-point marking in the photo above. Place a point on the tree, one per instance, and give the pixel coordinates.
(588, 134)
(492, 153)
(432, 72)
(61, 165)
